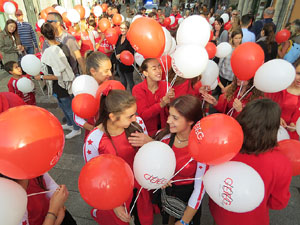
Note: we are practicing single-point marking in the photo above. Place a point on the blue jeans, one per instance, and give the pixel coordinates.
(66, 105)
(29, 50)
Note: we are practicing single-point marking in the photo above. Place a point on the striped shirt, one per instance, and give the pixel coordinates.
(27, 34)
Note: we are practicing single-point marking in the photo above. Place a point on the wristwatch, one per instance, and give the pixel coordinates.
(42, 77)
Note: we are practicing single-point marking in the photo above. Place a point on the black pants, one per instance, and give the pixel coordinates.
(125, 77)
(68, 219)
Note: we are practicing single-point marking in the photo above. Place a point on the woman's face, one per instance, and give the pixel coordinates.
(245, 82)
(11, 27)
(297, 79)
(154, 71)
(217, 26)
(177, 122)
(123, 29)
(124, 119)
(103, 73)
(237, 40)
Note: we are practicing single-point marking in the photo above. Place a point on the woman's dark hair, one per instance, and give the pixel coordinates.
(91, 22)
(260, 121)
(234, 33)
(40, 180)
(179, 80)
(15, 33)
(296, 63)
(48, 31)
(221, 22)
(233, 87)
(270, 34)
(116, 102)
(94, 60)
(144, 66)
(189, 107)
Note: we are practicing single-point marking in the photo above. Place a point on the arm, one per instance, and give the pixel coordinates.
(5, 48)
(46, 77)
(82, 122)
(80, 61)
(283, 50)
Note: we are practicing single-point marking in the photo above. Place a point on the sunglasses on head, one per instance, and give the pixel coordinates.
(51, 21)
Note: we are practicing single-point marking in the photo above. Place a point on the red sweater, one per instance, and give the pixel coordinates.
(290, 108)
(276, 172)
(185, 89)
(148, 105)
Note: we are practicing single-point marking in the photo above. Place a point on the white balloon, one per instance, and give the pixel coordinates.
(154, 165)
(168, 41)
(98, 10)
(214, 85)
(211, 20)
(87, 11)
(60, 9)
(172, 18)
(180, 20)
(31, 64)
(194, 30)
(25, 85)
(136, 17)
(73, 15)
(223, 50)
(123, 19)
(40, 22)
(298, 126)
(231, 186)
(138, 58)
(210, 74)
(282, 134)
(13, 202)
(9, 8)
(85, 84)
(274, 76)
(189, 61)
(225, 17)
(173, 47)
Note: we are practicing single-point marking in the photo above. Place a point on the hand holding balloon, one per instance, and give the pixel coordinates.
(122, 214)
(210, 99)
(167, 98)
(237, 105)
(58, 199)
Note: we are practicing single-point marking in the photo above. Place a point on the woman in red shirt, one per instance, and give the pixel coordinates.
(184, 112)
(260, 121)
(152, 96)
(230, 98)
(289, 101)
(116, 123)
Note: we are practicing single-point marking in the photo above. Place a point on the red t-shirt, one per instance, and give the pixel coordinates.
(28, 98)
(105, 45)
(86, 43)
(173, 26)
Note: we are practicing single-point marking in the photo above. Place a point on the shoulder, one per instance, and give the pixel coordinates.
(137, 89)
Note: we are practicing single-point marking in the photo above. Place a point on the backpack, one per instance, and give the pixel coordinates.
(293, 54)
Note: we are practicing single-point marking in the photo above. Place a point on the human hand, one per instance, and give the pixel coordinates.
(60, 215)
(283, 123)
(122, 214)
(58, 199)
(139, 139)
(210, 99)
(169, 184)
(118, 56)
(237, 105)
(204, 89)
(37, 77)
(291, 127)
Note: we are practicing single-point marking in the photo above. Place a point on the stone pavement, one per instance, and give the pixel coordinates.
(68, 168)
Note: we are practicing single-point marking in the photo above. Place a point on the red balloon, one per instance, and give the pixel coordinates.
(117, 19)
(113, 84)
(66, 20)
(211, 49)
(246, 59)
(111, 36)
(1, 5)
(32, 142)
(167, 21)
(291, 149)
(84, 105)
(127, 58)
(106, 182)
(104, 7)
(211, 35)
(215, 139)
(227, 26)
(282, 36)
(44, 14)
(81, 10)
(147, 37)
(50, 9)
(164, 61)
(104, 24)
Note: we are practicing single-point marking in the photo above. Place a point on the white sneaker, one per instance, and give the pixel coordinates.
(67, 127)
(73, 133)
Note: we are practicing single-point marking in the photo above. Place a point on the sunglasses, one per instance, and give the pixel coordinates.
(51, 21)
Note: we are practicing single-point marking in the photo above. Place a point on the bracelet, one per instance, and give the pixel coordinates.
(184, 223)
(42, 77)
(52, 214)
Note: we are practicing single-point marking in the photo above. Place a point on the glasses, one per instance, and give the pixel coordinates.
(51, 21)
(234, 14)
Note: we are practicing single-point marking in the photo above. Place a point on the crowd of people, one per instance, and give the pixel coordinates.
(152, 110)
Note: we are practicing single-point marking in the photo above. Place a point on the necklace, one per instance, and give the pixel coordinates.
(180, 141)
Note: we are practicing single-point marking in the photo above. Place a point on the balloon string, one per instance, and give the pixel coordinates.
(167, 73)
(241, 87)
(167, 78)
(173, 81)
(43, 192)
(243, 96)
(141, 75)
(203, 102)
(135, 200)
(125, 208)
(198, 178)
(191, 159)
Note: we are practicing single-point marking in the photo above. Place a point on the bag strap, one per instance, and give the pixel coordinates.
(172, 138)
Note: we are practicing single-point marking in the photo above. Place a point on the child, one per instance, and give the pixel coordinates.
(15, 70)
